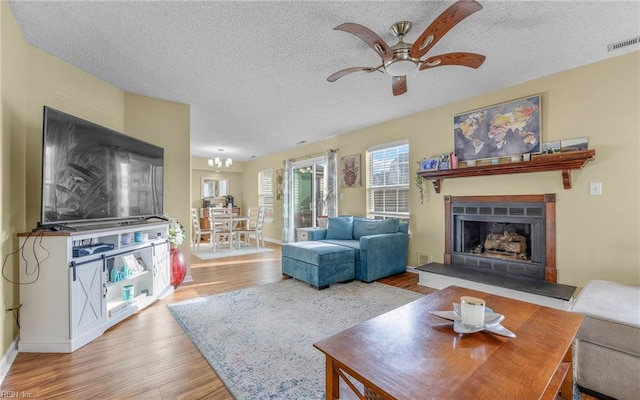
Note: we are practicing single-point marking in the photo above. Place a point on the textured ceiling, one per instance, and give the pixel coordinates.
(255, 73)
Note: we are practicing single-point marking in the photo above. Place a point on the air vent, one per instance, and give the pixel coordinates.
(516, 211)
(458, 210)
(500, 210)
(423, 259)
(471, 210)
(623, 43)
(486, 211)
(534, 212)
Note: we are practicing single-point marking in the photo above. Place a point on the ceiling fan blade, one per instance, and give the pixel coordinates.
(346, 71)
(471, 60)
(399, 84)
(369, 37)
(441, 25)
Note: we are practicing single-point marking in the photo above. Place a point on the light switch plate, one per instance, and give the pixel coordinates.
(595, 188)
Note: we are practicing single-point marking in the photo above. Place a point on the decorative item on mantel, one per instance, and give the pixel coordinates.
(564, 162)
(175, 237)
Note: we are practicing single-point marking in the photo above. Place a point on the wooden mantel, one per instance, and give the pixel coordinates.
(564, 162)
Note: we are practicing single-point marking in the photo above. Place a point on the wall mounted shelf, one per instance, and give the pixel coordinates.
(565, 162)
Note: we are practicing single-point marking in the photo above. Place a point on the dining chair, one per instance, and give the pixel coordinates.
(254, 226)
(198, 232)
(223, 232)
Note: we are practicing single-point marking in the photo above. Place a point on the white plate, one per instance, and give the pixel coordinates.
(450, 315)
(489, 316)
(496, 328)
(492, 322)
(459, 327)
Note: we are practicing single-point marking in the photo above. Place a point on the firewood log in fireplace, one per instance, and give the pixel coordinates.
(510, 244)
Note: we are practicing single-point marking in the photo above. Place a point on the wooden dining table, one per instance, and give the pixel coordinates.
(235, 221)
(409, 353)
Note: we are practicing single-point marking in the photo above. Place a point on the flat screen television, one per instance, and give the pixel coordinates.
(91, 173)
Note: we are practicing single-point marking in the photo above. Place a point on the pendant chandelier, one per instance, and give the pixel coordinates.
(218, 162)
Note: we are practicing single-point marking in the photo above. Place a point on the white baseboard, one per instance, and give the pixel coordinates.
(8, 358)
(188, 279)
(273, 240)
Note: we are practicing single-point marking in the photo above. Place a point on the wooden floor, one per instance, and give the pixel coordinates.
(148, 356)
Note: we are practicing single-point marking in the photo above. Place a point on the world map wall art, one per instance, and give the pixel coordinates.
(500, 130)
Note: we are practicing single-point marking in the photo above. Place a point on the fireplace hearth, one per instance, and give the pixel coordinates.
(510, 235)
(501, 244)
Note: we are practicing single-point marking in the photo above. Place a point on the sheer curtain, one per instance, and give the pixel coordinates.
(331, 183)
(288, 228)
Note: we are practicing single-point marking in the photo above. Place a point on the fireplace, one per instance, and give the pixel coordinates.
(510, 235)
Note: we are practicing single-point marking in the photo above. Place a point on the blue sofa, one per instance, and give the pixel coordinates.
(380, 246)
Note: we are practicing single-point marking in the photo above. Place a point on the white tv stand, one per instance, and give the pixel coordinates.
(68, 301)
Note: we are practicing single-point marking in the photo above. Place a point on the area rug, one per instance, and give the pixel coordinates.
(206, 253)
(260, 340)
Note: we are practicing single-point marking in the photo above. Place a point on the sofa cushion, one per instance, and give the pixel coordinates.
(353, 244)
(318, 252)
(340, 228)
(366, 227)
(612, 315)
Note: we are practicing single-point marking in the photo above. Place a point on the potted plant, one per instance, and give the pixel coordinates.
(322, 216)
(419, 183)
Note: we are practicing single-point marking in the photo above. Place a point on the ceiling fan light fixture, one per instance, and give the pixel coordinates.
(400, 67)
(427, 41)
(403, 58)
(433, 63)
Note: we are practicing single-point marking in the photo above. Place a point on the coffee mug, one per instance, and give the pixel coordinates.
(472, 311)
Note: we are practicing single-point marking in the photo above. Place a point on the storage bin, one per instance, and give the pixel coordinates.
(127, 292)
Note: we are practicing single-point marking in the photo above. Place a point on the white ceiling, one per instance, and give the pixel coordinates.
(255, 73)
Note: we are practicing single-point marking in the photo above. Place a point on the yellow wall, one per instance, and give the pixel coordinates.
(166, 124)
(597, 236)
(13, 81)
(56, 84)
(30, 79)
(234, 176)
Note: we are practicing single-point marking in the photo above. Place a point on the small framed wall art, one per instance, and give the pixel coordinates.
(350, 171)
(429, 164)
(575, 144)
(444, 161)
(279, 183)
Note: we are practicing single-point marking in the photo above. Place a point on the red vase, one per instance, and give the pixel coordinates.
(178, 267)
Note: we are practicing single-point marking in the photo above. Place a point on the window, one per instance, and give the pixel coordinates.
(388, 181)
(265, 192)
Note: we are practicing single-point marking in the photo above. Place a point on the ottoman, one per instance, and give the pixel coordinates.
(317, 263)
(607, 346)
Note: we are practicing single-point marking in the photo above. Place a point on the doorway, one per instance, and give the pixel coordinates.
(307, 200)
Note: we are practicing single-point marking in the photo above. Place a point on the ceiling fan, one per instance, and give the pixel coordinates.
(403, 58)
